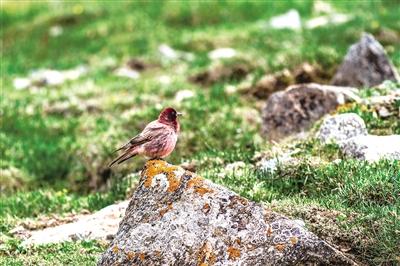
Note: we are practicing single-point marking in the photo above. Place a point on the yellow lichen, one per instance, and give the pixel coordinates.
(206, 257)
(141, 256)
(115, 249)
(294, 240)
(165, 210)
(130, 255)
(233, 253)
(280, 247)
(206, 208)
(156, 167)
(202, 190)
(197, 183)
(269, 231)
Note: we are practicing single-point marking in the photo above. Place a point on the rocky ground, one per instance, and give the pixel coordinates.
(290, 142)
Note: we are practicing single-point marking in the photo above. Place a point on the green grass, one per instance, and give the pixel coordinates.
(54, 162)
(79, 253)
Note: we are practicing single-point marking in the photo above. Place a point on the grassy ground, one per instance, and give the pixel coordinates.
(54, 161)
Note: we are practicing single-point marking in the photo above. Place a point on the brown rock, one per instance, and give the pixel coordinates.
(207, 224)
(366, 64)
(298, 107)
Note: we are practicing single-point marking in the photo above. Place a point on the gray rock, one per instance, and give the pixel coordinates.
(366, 64)
(342, 127)
(178, 218)
(299, 106)
(373, 148)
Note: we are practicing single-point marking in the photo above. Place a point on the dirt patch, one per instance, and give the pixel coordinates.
(139, 64)
(305, 73)
(220, 73)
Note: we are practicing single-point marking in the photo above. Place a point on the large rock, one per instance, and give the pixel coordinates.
(373, 148)
(366, 64)
(299, 106)
(178, 218)
(340, 128)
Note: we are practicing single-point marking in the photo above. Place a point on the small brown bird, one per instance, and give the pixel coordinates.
(157, 140)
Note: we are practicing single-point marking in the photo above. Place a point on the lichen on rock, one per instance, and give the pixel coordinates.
(201, 223)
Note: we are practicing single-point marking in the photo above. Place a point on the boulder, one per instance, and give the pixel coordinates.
(373, 148)
(299, 106)
(342, 127)
(366, 64)
(178, 218)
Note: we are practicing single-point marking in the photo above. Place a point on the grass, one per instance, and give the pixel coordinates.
(54, 160)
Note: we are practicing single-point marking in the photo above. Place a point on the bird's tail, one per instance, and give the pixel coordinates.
(123, 157)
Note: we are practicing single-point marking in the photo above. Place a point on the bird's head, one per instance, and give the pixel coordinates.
(168, 115)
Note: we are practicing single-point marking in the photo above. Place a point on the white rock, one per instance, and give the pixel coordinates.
(164, 79)
(342, 127)
(235, 166)
(56, 31)
(289, 20)
(99, 225)
(222, 53)
(373, 148)
(271, 165)
(333, 19)
(167, 52)
(323, 7)
(170, 54)
(21, 83)
(183, 95)
(127, 72)
(48, 77)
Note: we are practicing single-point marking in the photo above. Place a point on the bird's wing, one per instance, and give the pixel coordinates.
(146, 135)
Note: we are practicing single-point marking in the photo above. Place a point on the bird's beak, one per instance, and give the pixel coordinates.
(179, 114)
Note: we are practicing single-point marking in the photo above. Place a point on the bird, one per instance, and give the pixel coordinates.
(156, 141)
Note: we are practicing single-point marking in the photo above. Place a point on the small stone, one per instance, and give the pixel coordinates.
(56, 31)
(182, 95)
(127, 72)
(332, 19)
(373, 148)
(342, 127)
(222, 53)
(289, 20)
(21, 83)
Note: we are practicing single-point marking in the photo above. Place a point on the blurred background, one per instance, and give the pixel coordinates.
(79, 78)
